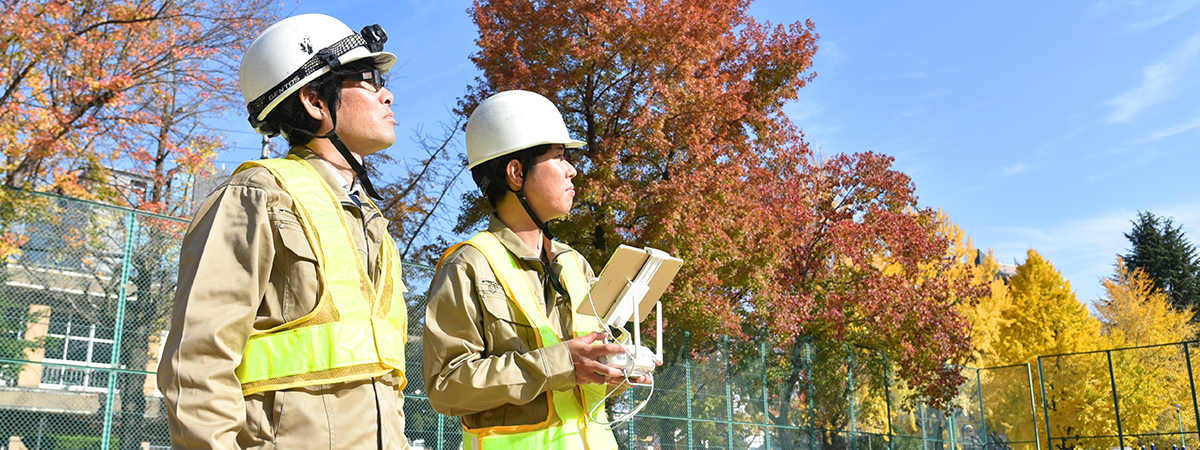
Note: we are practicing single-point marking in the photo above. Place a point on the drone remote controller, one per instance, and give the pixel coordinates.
(636, 361)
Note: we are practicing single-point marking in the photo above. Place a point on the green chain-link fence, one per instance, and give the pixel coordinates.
(1141, 397)
(87, 303)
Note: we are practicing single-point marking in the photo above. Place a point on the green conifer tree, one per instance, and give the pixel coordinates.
(1161, 250)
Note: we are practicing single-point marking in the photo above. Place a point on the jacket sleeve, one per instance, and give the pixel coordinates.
(460, 374)
(224, 267)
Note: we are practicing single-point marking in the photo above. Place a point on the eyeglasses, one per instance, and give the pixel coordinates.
(372, 77)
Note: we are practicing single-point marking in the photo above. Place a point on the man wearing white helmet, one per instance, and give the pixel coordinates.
(503, 347)
(289, 324)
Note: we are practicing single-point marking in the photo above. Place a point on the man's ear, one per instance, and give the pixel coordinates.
(512, 173)
(313, 103)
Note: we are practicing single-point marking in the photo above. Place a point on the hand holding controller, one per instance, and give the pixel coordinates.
(636, 361)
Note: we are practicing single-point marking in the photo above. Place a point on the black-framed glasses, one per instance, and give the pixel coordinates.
(372, 77)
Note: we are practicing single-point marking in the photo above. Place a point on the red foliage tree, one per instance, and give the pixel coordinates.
(680, 103)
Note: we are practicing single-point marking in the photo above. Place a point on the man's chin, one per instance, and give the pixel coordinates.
(377, 147)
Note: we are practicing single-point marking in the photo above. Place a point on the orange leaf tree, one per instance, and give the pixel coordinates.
(689, 150)
(86, 84)
(88, 87)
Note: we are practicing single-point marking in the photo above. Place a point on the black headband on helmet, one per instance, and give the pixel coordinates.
(372, 37)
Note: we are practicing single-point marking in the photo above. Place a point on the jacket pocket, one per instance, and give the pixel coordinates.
(262, 415)
(302, 420)
(294, 267)
(507, 327)
(291, 234)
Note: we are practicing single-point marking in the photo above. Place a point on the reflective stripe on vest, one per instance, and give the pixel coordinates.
(368, 339)
(577, 430)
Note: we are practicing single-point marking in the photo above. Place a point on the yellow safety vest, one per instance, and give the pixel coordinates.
(320, 348)
(577, 430)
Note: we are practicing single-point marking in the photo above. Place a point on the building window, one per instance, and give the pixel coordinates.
(73, 340)
(12, 337)
(139, 189)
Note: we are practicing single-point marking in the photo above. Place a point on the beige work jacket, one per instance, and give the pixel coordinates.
(245, 266)
(481, 360)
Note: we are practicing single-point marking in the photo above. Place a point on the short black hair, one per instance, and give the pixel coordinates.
(290, 113)
(496, 167)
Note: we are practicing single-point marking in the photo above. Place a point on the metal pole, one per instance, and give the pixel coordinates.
(1116, 405)
(118, 327)
(887, 393)
(687, 365)
(850, 396)
(950, 420)
(41, 432)
(441, 434)
(266, 147)
(1045, 404)
(924, 432)
(728, 397)
(1192, 381)
(982, 410)
(1033, 405)
(632, 430)
(812, 411)
(1182, 442)
(766, 404)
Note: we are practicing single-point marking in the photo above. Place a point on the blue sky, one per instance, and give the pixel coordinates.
(1044, 125)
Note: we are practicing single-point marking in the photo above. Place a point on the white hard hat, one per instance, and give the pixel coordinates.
(511, 121)
(297, 50)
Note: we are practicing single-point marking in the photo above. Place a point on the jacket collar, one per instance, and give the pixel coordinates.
(514, 244)
(332, 179)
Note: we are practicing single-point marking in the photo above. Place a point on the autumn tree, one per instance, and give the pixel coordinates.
(1164, 253)
(688, 150)
(109, 101)
(1136, 315)
(413, 200)
(82, 80)
(758, 219)
(1134, 312)
(1047, 320)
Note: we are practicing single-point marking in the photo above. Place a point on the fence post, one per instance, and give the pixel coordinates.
(687, 366)
(1033, 405)
(924, 432)
(1187, 357)
(441, 431)
(1045, 405)
(812, 410)
(118, 327)
(982, 410)
(632, 420)
(1116, 405)
(766, 404)
(850, 396)
(728, 397)
(887, 393)
(953, 435)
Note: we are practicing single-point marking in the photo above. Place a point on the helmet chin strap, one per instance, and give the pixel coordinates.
(360, 172)
(496, 178)
(532, 215)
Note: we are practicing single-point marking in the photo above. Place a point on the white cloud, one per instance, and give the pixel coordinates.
(1162, 12)
(1157, 80)
(915, 111)
(1015, 169)
(1144, 15)
(1178, 129)
(1085, 249)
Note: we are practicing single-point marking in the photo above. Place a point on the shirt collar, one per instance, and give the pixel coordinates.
(509, 239)
(351, 188)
